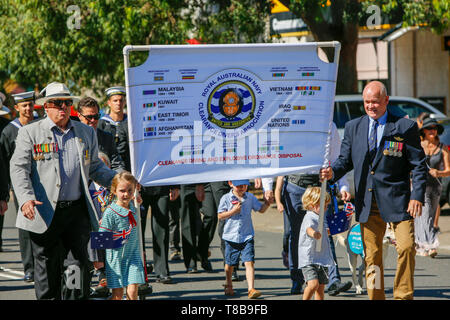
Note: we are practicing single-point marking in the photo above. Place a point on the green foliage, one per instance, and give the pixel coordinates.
(230, 21)
(432, 14)
(340, 20)
(40, 42)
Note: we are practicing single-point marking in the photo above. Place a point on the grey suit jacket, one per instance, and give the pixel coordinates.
(40, 179)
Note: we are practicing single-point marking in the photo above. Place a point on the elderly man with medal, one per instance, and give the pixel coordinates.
(390, 179)
(50, 169)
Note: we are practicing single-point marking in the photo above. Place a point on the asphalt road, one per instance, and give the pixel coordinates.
(432, 279)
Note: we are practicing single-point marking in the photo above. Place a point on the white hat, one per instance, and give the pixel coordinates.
(55, 90)
(3, 110)
(23, 97)
(115, 91)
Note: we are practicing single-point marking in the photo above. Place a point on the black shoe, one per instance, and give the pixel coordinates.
(102, 293)
(28, 277)
(235, 276)
(339, 287)
(192, 270)
(296, 287)
(206, 265)
(164, 279)
(145, 289)
(175, 255)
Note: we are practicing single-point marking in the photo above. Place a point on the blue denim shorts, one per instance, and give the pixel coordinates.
(245, 251)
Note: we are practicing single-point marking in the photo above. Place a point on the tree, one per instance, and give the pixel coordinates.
(230, 21)
(81, 43)
(340, 20)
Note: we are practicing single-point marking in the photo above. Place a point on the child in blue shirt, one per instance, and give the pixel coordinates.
(314, 265)
(235, 208)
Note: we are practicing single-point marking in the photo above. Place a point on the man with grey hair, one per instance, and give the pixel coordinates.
(390, 178)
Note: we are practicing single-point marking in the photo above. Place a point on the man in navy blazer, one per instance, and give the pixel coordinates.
(390, 176)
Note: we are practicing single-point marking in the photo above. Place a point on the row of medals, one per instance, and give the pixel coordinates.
(394, 149)
(43, 148)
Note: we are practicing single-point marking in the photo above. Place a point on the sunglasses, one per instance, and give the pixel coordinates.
(91, 116)
(430, 128)
(58, 103)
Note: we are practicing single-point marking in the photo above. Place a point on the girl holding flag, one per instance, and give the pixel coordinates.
(124, 268)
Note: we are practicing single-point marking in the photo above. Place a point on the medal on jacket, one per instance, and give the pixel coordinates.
(34, 152)
(400, 147)
(391, 148)
(386, 147)
(39, 150)
(397, 149)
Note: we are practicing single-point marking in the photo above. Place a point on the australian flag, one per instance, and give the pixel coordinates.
(109, 239)
(340, 221)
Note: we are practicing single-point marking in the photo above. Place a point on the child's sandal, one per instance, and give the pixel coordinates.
(228, 290)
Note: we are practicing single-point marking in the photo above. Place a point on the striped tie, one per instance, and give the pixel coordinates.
(373, 140)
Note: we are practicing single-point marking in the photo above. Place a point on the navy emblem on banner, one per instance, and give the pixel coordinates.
(231, 105)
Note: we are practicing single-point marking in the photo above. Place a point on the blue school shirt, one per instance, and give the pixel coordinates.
(239, 228)
(307, 254)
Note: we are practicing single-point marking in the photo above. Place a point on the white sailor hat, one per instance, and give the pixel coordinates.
(55, 90)
(3, 110)
(24, 97)
(115, 91)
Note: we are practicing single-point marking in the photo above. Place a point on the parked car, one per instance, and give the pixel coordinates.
(348, 107)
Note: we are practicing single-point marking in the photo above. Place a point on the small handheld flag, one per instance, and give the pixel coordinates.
(104, 240)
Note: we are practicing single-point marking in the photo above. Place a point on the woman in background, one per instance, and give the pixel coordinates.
(438, 162)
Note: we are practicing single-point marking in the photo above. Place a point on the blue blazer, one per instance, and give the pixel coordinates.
(392, 180)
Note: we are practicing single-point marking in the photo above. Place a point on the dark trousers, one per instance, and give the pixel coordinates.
(61, 261)
(291, 197)
(213, 193)
(2, 219)
(26, 252)
(159, 205)
(190, 225)
(174, 224)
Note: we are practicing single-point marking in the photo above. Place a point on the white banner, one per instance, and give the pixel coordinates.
(209, 113)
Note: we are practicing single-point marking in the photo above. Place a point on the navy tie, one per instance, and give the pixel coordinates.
(373, 140)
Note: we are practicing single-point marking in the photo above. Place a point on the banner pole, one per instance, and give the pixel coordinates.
(323, 189)
(126, 50)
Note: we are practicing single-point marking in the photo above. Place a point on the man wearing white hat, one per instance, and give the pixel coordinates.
(24, 105)
(50, 168)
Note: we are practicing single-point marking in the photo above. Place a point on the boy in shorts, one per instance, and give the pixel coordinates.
(314, 265)
(235, 208)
